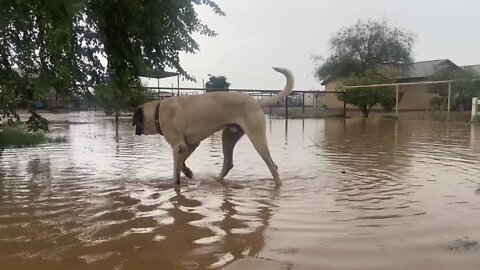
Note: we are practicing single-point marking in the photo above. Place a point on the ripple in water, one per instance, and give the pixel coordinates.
(104, 200)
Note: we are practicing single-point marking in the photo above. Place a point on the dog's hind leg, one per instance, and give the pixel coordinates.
(230, 137)
(185, 170)
(255, 130)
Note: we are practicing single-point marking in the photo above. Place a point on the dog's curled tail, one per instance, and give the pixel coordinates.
(265, 102)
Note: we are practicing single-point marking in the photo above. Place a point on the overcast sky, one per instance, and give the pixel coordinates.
(258, 34)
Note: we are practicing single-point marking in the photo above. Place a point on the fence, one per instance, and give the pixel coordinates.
(297, 99)
(397, 85)
(302, 102)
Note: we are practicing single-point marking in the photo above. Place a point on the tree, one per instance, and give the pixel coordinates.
(217, 83)
(358, 56)
(465, 86)
(388, 99)
(363, 46)
(113, 101)
(365, 98)
(73, 46)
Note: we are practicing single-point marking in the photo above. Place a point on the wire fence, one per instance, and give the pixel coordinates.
(299, 102)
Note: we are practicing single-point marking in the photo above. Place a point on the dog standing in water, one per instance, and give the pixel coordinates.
(185, 121)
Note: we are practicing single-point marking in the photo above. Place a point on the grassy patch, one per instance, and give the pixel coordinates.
(57, 139)
(16, 137)
(297, 113)
(476, 119)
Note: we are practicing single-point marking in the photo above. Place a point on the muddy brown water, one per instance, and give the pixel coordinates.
(377, 194)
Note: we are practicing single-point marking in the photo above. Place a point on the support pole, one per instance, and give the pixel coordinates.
(396, 102)
(474, 108)
(303, 103)
(344, 103)
(286, 107)
(178, 85)
(448, 102)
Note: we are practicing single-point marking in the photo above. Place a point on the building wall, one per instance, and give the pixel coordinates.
(415, 97)
(314, 100)
(331, 100)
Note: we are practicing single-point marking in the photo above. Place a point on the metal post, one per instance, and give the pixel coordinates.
(158, 88)
(344, 103)
(178, 85)
(448, 102)
(396, 102)
(286, 107)
(303, 103)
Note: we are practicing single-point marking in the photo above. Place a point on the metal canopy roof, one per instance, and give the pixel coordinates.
(158, 74)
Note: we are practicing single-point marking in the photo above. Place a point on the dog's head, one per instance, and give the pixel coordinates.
(138, 120)
(144, 119)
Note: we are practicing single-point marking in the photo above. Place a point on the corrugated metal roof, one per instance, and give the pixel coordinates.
(416, 70)
(472, 68)
(158, 74)
(421, 69)
(425, 68)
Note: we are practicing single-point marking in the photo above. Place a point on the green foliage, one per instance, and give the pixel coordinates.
(464, 87)
(8, 103)
(476, 119)
(438, 103)
(365, 98)
(364, 46)
(57, 139)
(139, 95)
(113, 100)
(64, 44)
(217, 83)
(35, 122)
(388, 99)
(17, 137)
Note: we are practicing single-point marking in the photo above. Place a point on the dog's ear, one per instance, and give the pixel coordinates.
(137, 116)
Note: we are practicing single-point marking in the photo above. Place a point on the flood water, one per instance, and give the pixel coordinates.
(356, 194)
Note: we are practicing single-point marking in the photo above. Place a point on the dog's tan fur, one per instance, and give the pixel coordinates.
(187, 120)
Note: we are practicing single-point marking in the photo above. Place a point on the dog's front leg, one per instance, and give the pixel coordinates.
(178, 159)
(186, 171)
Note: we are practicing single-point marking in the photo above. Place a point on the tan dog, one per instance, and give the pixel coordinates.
(187, 120)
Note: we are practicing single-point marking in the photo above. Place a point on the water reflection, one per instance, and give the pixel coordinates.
(124, 223)
(472, 135)
(368, 145)
(386, 164)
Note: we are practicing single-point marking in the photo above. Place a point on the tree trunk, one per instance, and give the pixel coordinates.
(365, 114)
(365, 111)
